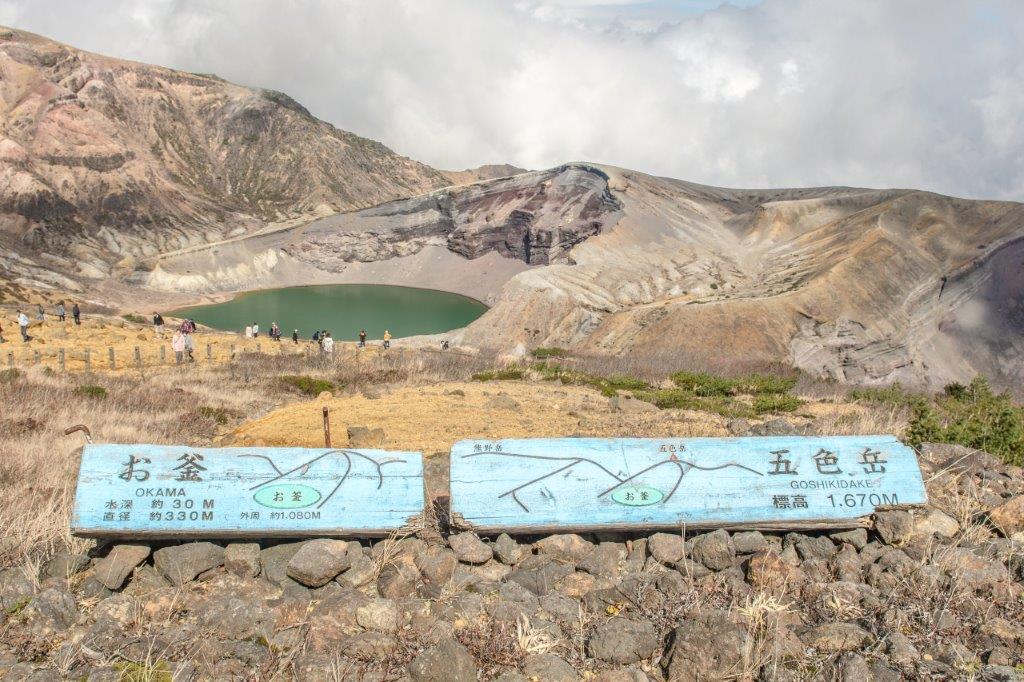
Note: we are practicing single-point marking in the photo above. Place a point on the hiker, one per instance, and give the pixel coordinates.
(178, 345)
(39, 313)
(189, 347)
(255, 331)
(61, 312)
(362, 338)
(295, 337)
(275, 332)
(387, 339)
(316, 337)
(23, 324)
(328, 345)
(76, 313)
(158, 324)
(192, 326)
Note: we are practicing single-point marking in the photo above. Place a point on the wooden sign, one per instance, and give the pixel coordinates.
(163, 491)
(563, 484)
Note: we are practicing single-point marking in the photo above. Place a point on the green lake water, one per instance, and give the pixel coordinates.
(341, 309)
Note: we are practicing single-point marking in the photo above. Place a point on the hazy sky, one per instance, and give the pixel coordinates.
(914, 93)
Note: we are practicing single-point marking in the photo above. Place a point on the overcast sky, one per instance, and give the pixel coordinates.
(881, 93)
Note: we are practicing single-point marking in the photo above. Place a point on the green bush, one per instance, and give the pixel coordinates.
(137, 319)
(680, 399)
(893, 394)
(307, 384)
(704, 384)
(773, 402)
(217, 414)
(608, 386)
(9, 375)
(552, 352)
(91, 391)
(507, 374)
(972, 416)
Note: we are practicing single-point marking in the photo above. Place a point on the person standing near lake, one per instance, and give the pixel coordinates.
(23, 325)
(255, 331)
(178, 345)
(328, 345)
(189, 346)
(362, 338)
(158, 324)
(76, 313)
(387, 339)
(295, 337)
(61, 312)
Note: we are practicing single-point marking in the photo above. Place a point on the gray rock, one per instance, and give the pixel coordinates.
(318, 561)
(502, 402)
(508, 551)
(715, 550)
(835, 637)
(364, 437)
(274, 561)
(470, 549)
(182, 563)
(242, 559)
(15, 588)
(749, 542)
(936, 522)
(854, 668)
(113, 569)
(668, 548)
(361, 572)
(447, 661)
(398, 578)
(858, 537)
(738, 427)
(381, 615)
(900, 649)
(51, 611)
(541, 575)
(894, 527)
(437, 566)
(820, 547)
(774, 427)
(64, 565)
(964, 566)
(619, 403)
(623, 641)
(567, 547)
(706, 648)
(548, 667)
(604, 560)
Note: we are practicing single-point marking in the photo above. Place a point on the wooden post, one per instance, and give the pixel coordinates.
(258, 347)
(232, 351)
(10, 360)
(110, 357)
(327, 428)
(88, 362)
(138, 358)
(209, 352)
(35, 357)
(163, 355)
(60, 359)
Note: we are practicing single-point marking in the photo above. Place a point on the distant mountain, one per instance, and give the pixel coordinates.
(103, 159)
(861, 285)
(486, 172)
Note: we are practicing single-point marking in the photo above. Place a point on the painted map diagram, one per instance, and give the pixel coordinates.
(177, 491)
(593, 483)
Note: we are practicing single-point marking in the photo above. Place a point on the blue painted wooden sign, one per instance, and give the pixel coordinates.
(176, 491)
(559, 484)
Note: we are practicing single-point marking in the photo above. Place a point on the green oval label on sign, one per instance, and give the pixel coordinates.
(286, 496)
(637, 495)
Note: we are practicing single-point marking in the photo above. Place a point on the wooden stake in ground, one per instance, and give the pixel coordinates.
(60, 359)
(10, 360)
(138, 358)
(327, 428)
(110, 357)
(88, 360)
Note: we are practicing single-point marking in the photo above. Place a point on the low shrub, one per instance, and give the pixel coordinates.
(972, 416)
(507, 374)
(773, 402)
(704, 384)
(217, 414)
(680, 399)
(135, 318)
(893, 394)
(8, 376)
(306, 384)
(550, 352)
(91, 391)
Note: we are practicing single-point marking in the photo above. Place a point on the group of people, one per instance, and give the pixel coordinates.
(60, 312)
(182, 342)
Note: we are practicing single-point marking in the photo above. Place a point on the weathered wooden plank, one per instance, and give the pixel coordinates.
(167, 491)
(561, 484)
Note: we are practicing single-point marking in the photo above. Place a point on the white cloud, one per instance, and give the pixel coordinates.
(917, 93)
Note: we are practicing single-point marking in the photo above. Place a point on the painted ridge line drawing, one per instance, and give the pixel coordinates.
(620, 479)
(303, 469)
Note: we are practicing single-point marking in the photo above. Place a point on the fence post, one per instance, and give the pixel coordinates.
(35, 357)
(138, 358)
(258, 347)
(163, 355)
(60, 359)
(232, 351)
(110, 357)
(209, 352)
(88, 360)
(10, 360)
